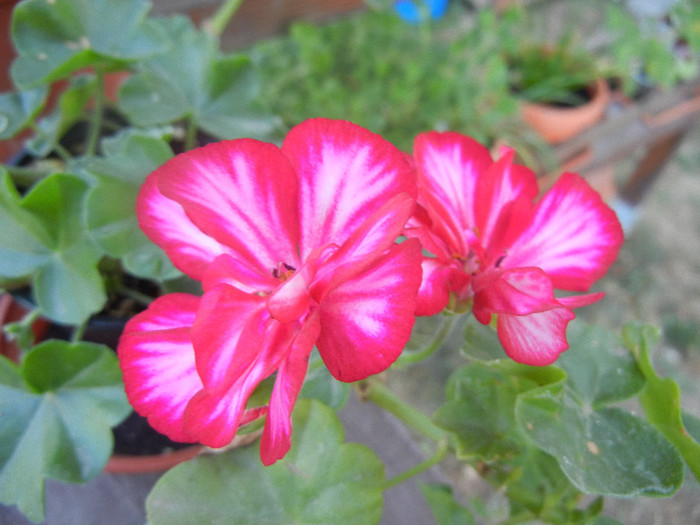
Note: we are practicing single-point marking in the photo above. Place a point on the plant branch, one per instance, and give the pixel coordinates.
(219, 20)
(96, 122)
(381, 396)
(190, 133)
(436, 458)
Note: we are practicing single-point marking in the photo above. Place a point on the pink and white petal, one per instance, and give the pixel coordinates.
(243, 193)
(574, 236)
(367, 321)
(227, 335)
(277, 435)
(290, 301)
(535, 339)
(518, 291)
(237, 273)
(500, 185)
(213, 418)
(448, 167)
(346, 173)
(166, 224)
(157, 361)
(575, 301)
(368, 242)
(433, 294)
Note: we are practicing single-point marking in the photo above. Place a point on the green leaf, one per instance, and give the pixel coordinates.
(445, 509)
(70, 109)
(600, 369)
(606, 451)
(321, 480)
(56, 38)
(480, 411)
(601, 450)
(56, 412)
(320, 384)
(44, 240)
(194, 80)
(112, 223)
(481, 342)
(18, 109)
(661, 398)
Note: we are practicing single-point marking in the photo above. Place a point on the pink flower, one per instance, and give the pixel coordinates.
(498, 250)
(294, 247)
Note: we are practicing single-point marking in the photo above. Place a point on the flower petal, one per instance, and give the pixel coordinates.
(535, 339)
(157, 360)
(227, 334)
(368, 242)
(213, 418)
(277, 434)
(346, 173)
(291, 300)
(166, 224)
(448, 167)
(239, 274)
(433, 294)
(243, 193)
(574, 236)
(366, 321)
(518, 291)
(499, 186)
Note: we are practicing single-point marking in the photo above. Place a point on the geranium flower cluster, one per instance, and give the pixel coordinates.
(300, 247)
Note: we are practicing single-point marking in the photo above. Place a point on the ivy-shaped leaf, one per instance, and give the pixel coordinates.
(193, 80)
(320, 384)
(112, 223)
(480, 410)
(445, 509)
(56, 411)
(69, 110)
(599, 367)
(321, 480)
(601, 449)
(56, 38)
(17, 109)
(44, 241)
(661, 398)
(481, 342)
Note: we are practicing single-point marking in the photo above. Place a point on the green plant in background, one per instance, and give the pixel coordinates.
(558, 74)
(391, 77)
(654, 43)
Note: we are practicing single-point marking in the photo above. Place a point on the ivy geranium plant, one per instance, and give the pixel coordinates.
(311, 267)
(70, 243)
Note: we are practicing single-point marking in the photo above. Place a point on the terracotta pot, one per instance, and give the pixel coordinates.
(559, 124)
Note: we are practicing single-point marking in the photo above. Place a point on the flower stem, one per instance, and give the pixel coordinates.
(407, 358)
(137, 296)
(219, 20)
(381, 396)
(78, 332)
(190, 133)
(96, 123)
(436, 458)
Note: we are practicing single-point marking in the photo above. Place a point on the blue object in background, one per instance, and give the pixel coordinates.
(411, 11)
